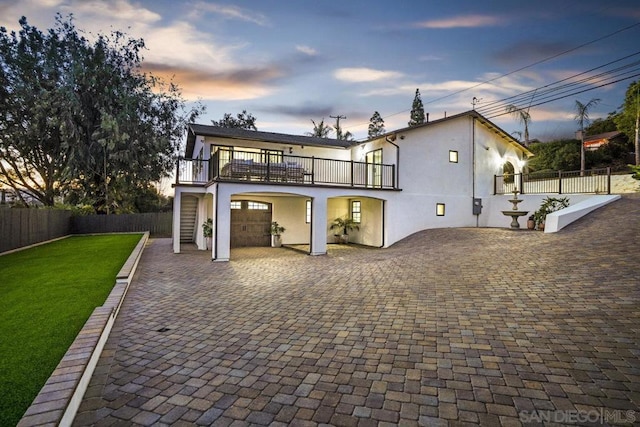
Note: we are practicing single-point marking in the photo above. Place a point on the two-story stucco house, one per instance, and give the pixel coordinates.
(438, 174)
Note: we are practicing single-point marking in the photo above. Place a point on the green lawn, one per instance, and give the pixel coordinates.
(46, 295)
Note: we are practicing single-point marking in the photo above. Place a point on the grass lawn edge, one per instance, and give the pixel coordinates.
(59, 399)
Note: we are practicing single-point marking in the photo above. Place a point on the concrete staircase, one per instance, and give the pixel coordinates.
(188, 216)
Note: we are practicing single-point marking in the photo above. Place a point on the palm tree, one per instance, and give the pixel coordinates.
(320, 130)
(582, 117)
(523, 117)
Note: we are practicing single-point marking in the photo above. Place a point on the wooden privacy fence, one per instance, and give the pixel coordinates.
(158, 224)
(24, 227)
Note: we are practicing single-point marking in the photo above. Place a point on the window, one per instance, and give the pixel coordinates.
(356, 212)
(258, 206)
(439, 209)
(271, 156)
(236, 205)
(308, 212)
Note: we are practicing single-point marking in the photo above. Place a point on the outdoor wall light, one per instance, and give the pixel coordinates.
(290, 150)
(453, 156)
(439, 209)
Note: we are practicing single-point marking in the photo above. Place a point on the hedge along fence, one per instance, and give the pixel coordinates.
(24, 227)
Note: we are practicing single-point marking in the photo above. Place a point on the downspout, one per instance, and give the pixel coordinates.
(390, 141)
(217, 229)
(473, 173)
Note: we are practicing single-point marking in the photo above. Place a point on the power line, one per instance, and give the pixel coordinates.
(574, 93)
(536, 63)
(537, 91)
(518, 70)
(557, 90)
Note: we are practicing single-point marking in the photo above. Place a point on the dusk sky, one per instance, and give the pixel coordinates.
(288, 62)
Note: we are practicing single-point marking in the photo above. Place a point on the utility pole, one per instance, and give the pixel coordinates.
(338, 130)
(637, 145)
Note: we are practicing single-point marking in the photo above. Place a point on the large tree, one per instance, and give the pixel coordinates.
(628, 121)
(582, 117)
(35, 118)
(417, 110)
(376, 125)
(242, 120)
(79, 118)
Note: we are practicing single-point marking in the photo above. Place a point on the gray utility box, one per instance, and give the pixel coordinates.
(477, 206)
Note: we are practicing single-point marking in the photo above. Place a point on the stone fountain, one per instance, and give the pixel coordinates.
(514, 213)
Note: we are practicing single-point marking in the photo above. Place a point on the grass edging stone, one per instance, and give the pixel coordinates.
(60, 397)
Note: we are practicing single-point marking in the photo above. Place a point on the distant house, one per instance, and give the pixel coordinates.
(438, 174)
(593, 142)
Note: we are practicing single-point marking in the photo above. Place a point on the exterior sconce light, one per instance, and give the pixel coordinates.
(439, 209)
(453, 156)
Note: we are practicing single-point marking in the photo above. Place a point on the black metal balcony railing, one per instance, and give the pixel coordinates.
(596, 181)
(275, 167)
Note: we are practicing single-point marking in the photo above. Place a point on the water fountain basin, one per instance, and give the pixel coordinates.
(514, 217)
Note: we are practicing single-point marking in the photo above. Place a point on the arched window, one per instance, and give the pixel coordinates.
(507, 172)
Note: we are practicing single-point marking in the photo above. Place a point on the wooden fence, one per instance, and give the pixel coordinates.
(24, 227)
(158, 224)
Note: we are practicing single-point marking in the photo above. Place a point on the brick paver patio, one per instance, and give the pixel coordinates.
(450, 326)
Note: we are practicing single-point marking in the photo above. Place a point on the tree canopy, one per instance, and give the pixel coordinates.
(320, 130)
(628, 118)
(417, 111)
(242, 120)
(376, 125)
(80, 121)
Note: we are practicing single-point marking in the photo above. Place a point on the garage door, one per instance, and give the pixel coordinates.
(250, 223)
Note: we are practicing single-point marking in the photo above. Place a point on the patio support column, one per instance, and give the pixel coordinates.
(222, 225)
(177, 199)
(201, 217)
(318, 226)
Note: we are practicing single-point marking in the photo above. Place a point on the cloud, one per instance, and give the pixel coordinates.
(463, 21)
(359, 75)
(306, 50)
(530, 51)
(307, 111)
(230, 12)
(240, 84)
(120, 10)
(425, 58)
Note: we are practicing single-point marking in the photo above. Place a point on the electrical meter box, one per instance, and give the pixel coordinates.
(477, 206)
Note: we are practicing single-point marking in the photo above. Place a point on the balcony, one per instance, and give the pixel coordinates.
(270, 167)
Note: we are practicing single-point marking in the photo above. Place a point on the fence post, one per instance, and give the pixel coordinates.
(521, 175)
(313, 169)
(393, 176)
(609, 180)
(559, 182)
(351, 161)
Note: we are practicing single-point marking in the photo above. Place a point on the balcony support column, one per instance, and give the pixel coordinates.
(318, 226)
(177, 200)
(222, 224)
